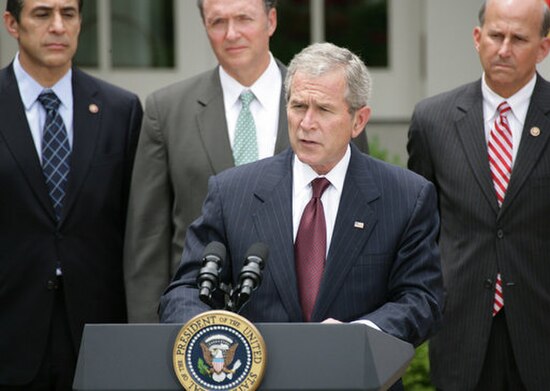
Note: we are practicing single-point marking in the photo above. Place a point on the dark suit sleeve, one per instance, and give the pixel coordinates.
(415, 287)
(181, 300)
(417, 146)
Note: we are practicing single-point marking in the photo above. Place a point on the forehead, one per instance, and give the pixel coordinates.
(330, 86)
(232, 7)
(517, 16)
(29, 5)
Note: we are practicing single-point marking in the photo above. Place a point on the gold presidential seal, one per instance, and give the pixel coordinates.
(219, 350)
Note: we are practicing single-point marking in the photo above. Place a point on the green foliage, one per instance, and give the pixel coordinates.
(203, 368)
(378, 151)
(417, 377)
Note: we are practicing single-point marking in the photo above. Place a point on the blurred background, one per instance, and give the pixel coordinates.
(414, 48)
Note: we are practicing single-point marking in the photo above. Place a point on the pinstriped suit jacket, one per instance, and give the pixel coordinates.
(447, 145)
(388, 272)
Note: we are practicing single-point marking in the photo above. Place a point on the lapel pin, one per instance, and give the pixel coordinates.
(93, 108)
(535, 131)
(359, 224)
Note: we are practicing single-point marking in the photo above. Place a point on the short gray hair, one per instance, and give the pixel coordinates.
(321, 58)
(544, 29)
(268, 4)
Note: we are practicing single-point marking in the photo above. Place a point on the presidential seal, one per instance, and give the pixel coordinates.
(219, 350)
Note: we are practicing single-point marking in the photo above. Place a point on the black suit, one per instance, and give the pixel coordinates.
(87, 241)
(447, 145)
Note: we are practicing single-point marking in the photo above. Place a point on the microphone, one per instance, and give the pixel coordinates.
(250, 277)
(209, 275)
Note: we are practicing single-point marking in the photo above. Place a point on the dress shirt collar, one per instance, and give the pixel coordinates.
(519, 102)
(303, 174)
(262, 88)
(30, 89)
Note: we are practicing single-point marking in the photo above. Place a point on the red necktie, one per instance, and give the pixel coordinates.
(310, 248)
(500, 161)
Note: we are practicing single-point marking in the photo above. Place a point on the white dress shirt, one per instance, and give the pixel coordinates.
(264, 109)
(519, 103)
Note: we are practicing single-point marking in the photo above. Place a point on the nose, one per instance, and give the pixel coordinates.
(58, 24)
(308, 121)
(232, 30)
(505, 48)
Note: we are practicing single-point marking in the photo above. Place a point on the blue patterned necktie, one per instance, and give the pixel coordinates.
(245, 146)
(56, 151)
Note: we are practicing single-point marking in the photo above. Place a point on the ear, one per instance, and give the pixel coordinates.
(544, 48)
(477, 37)
(362, 116)
(272, 21)
(11, 25)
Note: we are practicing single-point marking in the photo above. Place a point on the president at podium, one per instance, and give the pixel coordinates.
(350, 238)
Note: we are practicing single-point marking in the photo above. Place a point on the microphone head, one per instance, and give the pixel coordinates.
(258, 250)
(216, 249)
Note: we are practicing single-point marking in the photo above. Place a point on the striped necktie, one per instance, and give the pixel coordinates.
(500, 162)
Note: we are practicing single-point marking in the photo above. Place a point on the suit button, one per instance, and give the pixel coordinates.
(500, 234)
(52, 285)
(58, 235)
(488, 283)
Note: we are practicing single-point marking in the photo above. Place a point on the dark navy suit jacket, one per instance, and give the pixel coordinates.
(87, 241)
(388, 271)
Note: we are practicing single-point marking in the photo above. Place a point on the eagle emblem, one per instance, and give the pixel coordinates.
(218, 352)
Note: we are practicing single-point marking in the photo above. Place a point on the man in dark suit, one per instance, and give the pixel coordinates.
(189, 134)
(64, 174)
(490, 162)
(379, 261)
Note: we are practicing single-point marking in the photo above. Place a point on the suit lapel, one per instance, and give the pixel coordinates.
(16, 133)
(470, 131)
(353, 227)
(531, 147)
(273, 222)
(213, 124)
(86, 130)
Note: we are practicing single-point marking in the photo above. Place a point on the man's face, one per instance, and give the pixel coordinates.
(320, 125)
(47, 33)
(510, 44)
(239, 32)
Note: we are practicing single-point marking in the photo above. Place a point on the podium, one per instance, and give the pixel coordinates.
(300, 356)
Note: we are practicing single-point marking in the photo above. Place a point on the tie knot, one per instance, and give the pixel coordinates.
(49, 100)
(319, 185)
(246, 97)
(504, 108)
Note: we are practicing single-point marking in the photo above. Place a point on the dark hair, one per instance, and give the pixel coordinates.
(545, 28)
(14, 7)
(268, 4)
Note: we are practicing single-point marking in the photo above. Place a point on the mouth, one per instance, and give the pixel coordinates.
(56, 46)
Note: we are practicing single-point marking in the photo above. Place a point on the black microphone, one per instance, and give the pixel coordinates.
(209, 275)
(250, 277)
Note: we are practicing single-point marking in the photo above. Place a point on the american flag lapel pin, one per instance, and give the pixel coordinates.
(359, 224)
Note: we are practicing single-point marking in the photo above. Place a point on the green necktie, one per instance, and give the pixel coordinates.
(245, 146)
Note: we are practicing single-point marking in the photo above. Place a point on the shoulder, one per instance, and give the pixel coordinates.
(448, 99)
(109, 91)
(189, 88)
(265, 171)
(389, 179)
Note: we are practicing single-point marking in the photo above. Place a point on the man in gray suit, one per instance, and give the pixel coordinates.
(379, 262)
(490, 162)
(189, 134)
